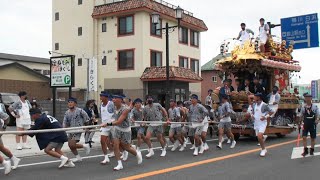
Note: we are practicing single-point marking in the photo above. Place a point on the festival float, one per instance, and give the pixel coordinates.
(275, 67)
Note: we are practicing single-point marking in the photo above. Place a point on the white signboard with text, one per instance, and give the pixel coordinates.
(61, 71)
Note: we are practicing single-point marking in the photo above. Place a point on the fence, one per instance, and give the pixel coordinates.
(61, 108)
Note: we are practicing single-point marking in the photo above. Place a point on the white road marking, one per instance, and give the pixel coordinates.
(89, 157)
(297, 151)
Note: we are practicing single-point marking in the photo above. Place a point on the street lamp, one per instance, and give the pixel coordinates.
(155, 21)
(179, 12)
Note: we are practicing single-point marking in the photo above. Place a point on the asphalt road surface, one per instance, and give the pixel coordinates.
(241, 163)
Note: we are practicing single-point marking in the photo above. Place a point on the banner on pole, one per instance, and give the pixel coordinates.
(93, 75)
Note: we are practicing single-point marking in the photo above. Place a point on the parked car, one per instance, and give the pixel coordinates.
(7, 99)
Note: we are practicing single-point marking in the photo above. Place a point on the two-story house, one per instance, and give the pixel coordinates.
(130, 52)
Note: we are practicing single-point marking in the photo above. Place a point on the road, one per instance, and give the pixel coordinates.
(242, 163)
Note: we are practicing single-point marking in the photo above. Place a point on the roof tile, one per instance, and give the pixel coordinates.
(111, 8)
(175, 73)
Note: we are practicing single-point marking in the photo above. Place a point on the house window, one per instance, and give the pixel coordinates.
(183, 35)
(56, 16)
(104, 60)
(79, 61)
(56, 46)
(104, 27)
(183, 62)
(153, 28)
(214, 79)
(79, 2)
(194, 38)
(156, 58)
(125, 25)
(79, 31)
(180, 94)
(194, 66)
(126, 60)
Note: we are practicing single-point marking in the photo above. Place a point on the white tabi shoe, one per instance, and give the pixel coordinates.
(15, 162)
(233, 144)
(106, 160)
(163, 153)
(175, 146)
(193, 147)
(181, 148)
(7, 167)
(206, 147)
(70, 164)
(111, 155)
(139, 157)
(118, 168)
(125, 155)
(150, 154)
(201, 149)
(64, 160)
(196, 151)
(86, 148)
(263, 152)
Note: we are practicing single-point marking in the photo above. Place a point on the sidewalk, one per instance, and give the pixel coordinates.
(10, 142)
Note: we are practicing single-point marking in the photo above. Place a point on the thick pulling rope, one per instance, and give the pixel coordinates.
(82, 128)
(160, 122)
(48, 130)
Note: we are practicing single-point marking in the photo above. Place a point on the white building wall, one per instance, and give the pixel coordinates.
(95, 43)
(65, 32)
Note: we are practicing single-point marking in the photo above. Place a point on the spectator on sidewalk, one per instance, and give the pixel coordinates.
(95, 109)
(20, 110)
(89, 109)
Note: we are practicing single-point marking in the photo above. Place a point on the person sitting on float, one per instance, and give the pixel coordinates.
(226, 89)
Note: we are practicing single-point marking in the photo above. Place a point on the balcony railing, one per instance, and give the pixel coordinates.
(173, 6)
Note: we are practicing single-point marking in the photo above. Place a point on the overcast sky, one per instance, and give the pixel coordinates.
(26, 25)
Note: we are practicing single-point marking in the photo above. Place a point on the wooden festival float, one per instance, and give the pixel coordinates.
(274, 67)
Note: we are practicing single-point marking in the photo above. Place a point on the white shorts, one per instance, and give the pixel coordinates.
(263, 39)
(274, 109)
(260, 129)
(105, 132)
(23, 126)
(205, 127)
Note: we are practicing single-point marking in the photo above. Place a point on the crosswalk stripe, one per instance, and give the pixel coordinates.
(297, 151)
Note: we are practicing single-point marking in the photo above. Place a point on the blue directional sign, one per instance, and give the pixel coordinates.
(301, 31)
